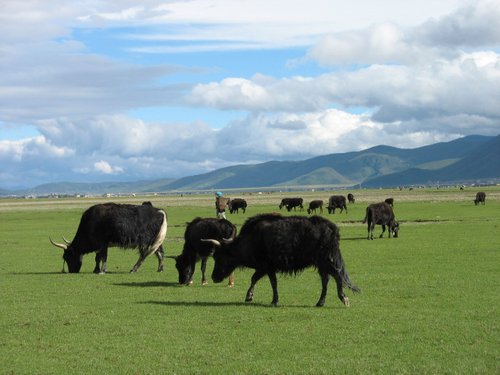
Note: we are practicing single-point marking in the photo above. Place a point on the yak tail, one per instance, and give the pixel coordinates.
(366, 216)
(346, 280)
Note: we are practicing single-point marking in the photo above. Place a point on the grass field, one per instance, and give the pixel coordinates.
(429, 302)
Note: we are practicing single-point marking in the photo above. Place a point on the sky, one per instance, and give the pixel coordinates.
(125, 90)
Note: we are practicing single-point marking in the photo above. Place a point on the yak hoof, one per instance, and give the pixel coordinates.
(320, 304)
(346, 301)
(204, 282)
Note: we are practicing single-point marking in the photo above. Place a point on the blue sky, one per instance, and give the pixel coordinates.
(126, 90)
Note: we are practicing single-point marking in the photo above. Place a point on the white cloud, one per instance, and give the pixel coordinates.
(476, 24)
(414, 80)
(473, 26)
(381, 43)
(468, 84)
(104, 167)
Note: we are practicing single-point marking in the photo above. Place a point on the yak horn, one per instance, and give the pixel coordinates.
(60, 245)
(212, 241)
(67, 242)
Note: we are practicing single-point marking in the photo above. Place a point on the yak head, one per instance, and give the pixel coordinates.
(394, 228)
(71, 257)
(185, 269)
(224, 262)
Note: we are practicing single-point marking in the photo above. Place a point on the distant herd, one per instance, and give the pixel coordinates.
(268, 243)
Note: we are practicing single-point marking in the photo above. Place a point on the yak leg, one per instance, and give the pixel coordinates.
(325, 277)
(97, 268)
(383, 231)
(203, 269)
(142, 256)
(258, 274)
(274, 285)
(371, 227)
(340, 291)
(160, 255)
(190, 274)
(104, 259)
(100, 261)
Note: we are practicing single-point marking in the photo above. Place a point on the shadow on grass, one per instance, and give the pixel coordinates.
(149, 284)
(36, 273)
(224, 304)
(352, 238)
(68, 273)
(204, 303)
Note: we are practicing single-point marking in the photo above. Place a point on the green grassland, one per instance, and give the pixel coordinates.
(429, 302)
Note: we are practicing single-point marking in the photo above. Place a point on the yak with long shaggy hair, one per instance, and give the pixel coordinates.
(271, 244)
(141, 227)
(194, 249)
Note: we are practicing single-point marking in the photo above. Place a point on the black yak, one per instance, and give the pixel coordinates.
(124, 225)
(194, 249)
(314, 205)
(235, 204)
(480, 198)
(337, 201)
(271, 243)
(381, 214)
(290, 203)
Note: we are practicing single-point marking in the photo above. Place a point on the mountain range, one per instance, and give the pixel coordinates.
(468, 159)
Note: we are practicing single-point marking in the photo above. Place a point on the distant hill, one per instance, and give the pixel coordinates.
(71, 188)
(346, 169)
(462, 160)
(482, 162)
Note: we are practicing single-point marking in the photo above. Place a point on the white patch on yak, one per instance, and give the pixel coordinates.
(162, 233)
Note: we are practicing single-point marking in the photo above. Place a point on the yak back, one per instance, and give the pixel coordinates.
(200, 228)
(286, 244)
(122, 225)
(379, 213)
(337, 201)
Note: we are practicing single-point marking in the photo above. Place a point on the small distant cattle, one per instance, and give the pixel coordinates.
(235, 204)
(350, 198)
(290, 203)
(124, 225)
(390, 201)
(480, 198)
(194, 249)
(314, 205)
(271, 244)
(337, 201)
(381, 214)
